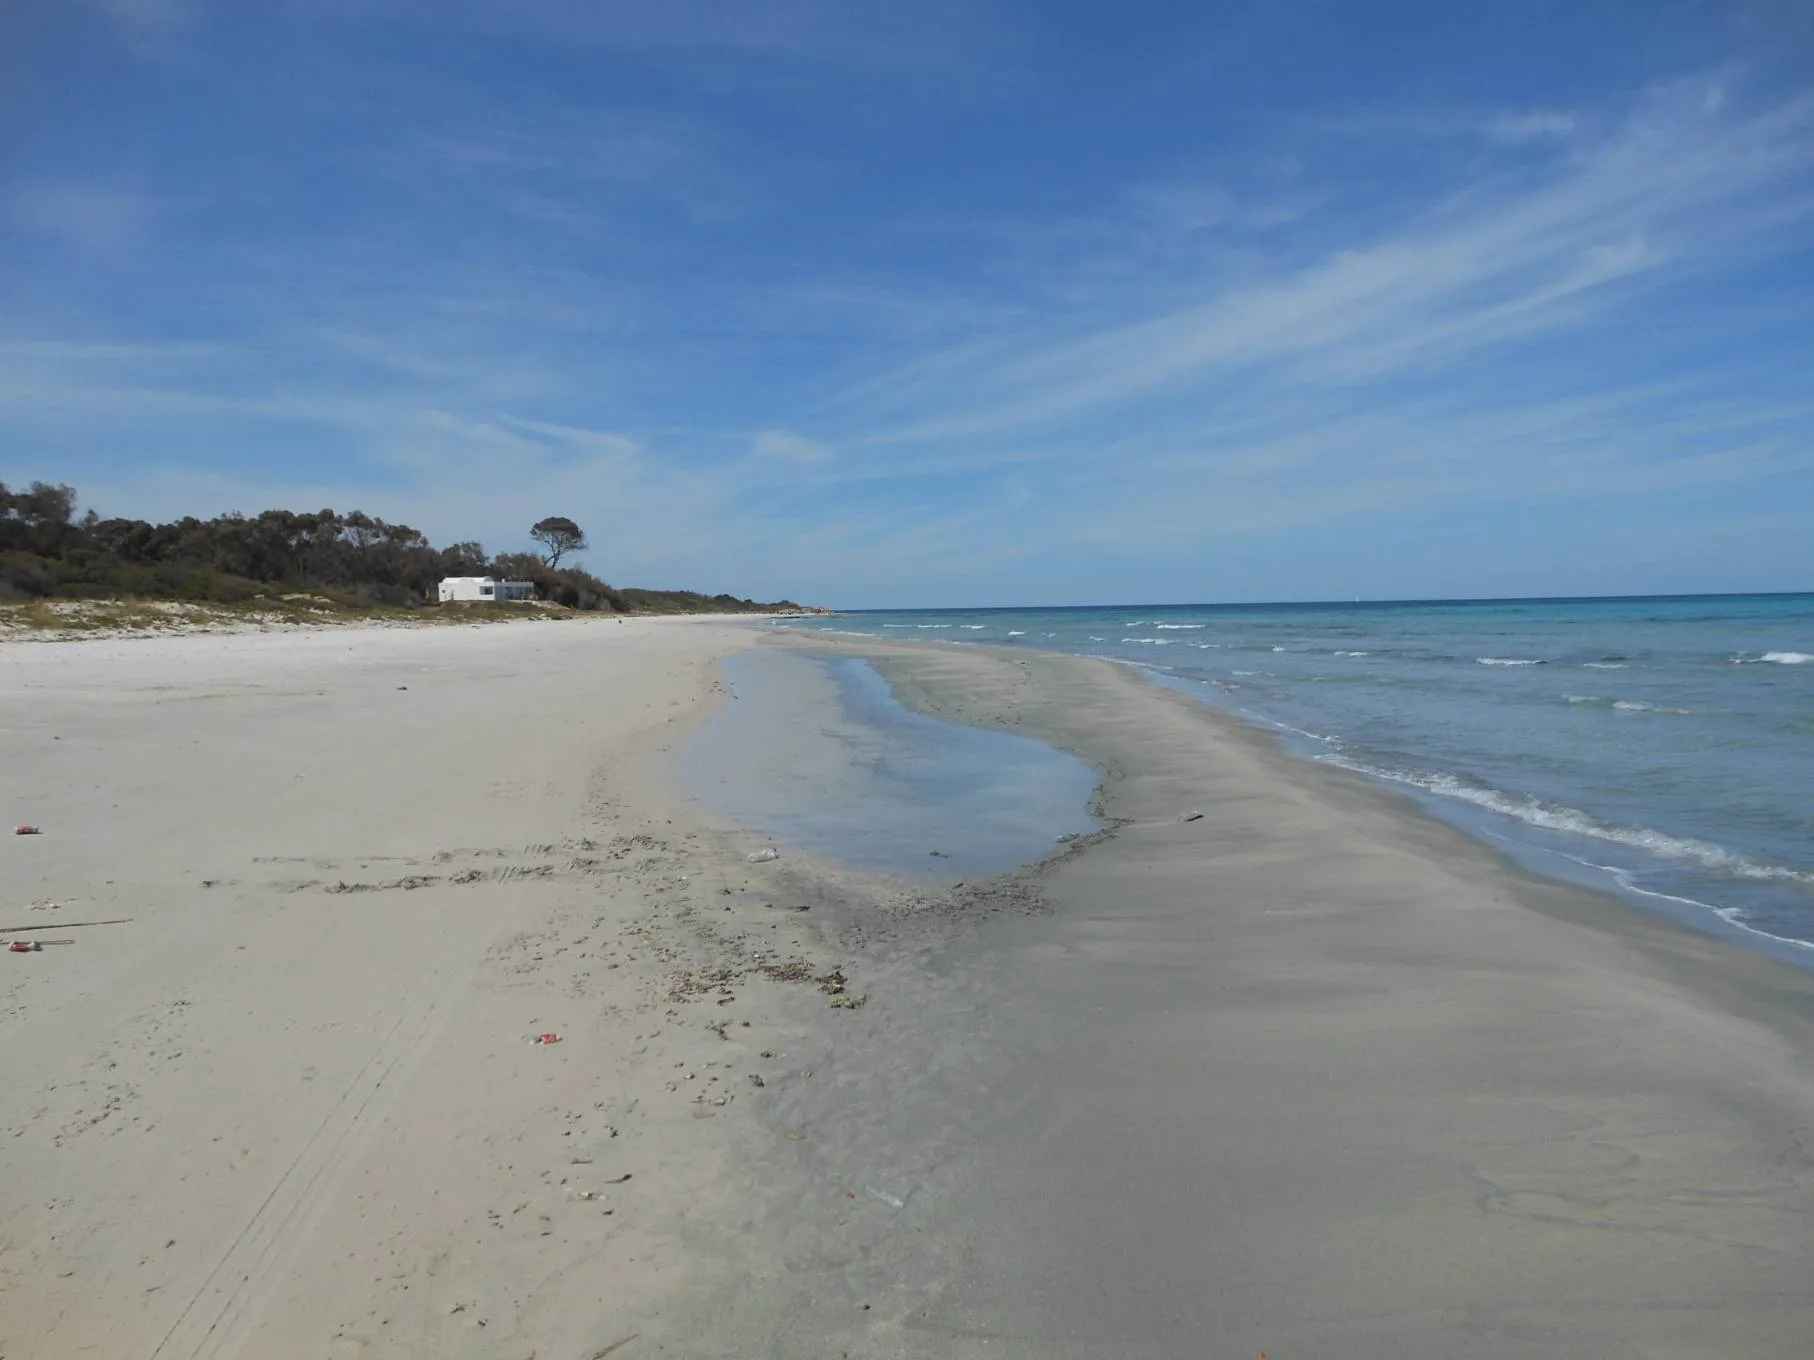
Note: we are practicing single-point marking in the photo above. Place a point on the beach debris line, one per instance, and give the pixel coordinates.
(764, 855)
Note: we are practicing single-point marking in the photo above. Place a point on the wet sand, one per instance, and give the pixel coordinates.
(1314, 1074)
(1318, 1076)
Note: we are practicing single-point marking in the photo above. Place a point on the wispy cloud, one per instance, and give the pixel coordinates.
(738, 370)
(154, 28)
(786, 447)
(1676, 186)
(873, 35)
(94, 218)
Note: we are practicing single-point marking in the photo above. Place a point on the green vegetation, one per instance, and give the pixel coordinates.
(279, 565)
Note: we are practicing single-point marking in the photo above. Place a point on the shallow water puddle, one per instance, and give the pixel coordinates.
(816, 753)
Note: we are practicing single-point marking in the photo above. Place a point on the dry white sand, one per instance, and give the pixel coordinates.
(292, 1108)
(1314, 1075)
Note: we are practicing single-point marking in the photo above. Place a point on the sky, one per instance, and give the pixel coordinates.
(873, 304)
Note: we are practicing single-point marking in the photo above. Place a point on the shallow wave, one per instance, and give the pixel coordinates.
(1017, 632)
(973, 627)
(1775, 659)
(1354, 653)
(1559, 817)
(1732, 916)
(1150, 642)
(1322, 738)
(1509, 661)
(1180, 625)
(1607, 665)
(1626, 705)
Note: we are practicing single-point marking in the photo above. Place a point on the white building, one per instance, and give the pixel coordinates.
(462, 589)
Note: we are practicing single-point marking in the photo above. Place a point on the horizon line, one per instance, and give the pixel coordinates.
(1340, 604)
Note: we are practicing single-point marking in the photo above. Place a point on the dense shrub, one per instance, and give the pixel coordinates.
(45, 551)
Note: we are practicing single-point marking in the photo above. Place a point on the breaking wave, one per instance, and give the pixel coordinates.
(1560, 817)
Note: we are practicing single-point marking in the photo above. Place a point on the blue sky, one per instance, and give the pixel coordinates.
(881, 304)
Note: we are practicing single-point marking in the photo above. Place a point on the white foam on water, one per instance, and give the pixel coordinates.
(1508, 661)
(1558, 817)
(973, 627)
(1607, 665)
(1150, 642)
(1639, 706)
(1322, 738)
(1017, 632)
(1732, 916)
(1354, 653)
(1180, 625)
(1775, 659)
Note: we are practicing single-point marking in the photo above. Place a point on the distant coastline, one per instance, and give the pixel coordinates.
(62, 571)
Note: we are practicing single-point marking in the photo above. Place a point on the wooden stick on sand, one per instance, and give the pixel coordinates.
(63, 925)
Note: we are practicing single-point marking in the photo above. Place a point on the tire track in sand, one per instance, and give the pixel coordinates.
(216, 1316)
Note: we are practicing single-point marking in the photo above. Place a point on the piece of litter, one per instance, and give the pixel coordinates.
(763, 856)
(549, 1038)
(886, 1199)
(25, 946)
(1192, 816)
(618, 1180)
(23, 830)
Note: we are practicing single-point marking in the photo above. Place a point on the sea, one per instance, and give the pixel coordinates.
(1658, 747)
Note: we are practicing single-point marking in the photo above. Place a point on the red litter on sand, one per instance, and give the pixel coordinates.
(549, 1038)
(23, 830)
(24, 946)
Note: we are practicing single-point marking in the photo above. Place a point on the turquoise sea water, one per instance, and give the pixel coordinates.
(1660, 746)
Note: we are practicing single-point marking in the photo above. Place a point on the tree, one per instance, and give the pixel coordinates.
(559, 536)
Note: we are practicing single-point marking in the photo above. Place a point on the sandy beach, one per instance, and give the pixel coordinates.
(1313, 1075)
